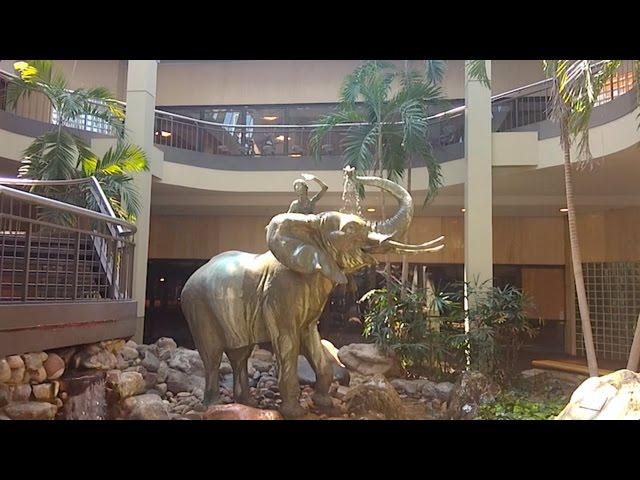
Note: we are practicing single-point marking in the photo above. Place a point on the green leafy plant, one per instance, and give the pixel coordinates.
(61, 154)
(517, 406)
(426, 328)
(408, 323)
(498, 326)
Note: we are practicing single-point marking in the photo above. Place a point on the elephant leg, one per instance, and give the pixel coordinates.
(210, 350)
(314, 352)
(286, 348)
(211, 358)
(238, 358)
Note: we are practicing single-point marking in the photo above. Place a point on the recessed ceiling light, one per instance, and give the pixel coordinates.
(564, 210)
(463, 210)
(280, 138)
(162, 279)
(296, 155)
(371, 209)
(165, 134)
(269, 118)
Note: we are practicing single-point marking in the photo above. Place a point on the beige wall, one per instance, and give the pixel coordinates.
(234, 82)
(237, 82)
(111, 74)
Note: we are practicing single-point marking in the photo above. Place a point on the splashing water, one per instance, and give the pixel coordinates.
(350, 197)
(87, 398)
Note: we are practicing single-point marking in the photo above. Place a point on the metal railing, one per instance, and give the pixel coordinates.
(54, 251)
(512, 110)
(528, 105)
(187, 133)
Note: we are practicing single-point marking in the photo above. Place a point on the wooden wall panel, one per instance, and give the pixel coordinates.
(183, 237)
(528, 240)
(242, 233)
(608, 236)
(546, 288)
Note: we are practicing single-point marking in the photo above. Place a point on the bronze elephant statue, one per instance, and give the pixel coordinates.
(239, 299)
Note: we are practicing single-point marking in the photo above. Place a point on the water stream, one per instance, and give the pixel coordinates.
(350, 197)
(86, 395)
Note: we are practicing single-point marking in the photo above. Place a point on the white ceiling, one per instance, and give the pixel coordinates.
(521, 191)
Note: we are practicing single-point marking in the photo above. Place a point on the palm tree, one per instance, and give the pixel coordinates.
(388, 128)
(60, 154)
(575, 88)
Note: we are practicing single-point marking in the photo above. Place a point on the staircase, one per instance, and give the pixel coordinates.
(53, 267)
(66, 272)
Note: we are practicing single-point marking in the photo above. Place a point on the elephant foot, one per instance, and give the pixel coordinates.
(292, 410)
(249, 401)
(322, 400)
(210, 400)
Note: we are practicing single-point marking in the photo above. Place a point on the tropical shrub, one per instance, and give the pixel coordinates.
(425, 328)
(61, 154)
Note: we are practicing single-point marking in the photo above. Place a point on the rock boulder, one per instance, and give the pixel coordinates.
(472, 390)
(236, 411)
(31, 411)
(611, 397)
(367, 359)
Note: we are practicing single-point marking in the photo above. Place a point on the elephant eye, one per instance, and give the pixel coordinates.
(349, 228)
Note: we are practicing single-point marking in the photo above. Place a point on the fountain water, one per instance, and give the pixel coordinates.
(86, 395)
(350, 197)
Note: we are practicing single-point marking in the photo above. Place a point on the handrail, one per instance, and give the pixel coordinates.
(66, 207)
(95, 187)
(499, 96)
(309, 125)
(45, 183)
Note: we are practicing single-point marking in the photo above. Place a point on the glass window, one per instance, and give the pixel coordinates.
(266, 141)
(620, 83)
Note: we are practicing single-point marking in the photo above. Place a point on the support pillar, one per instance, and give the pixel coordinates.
(478, 216)
(139, 123)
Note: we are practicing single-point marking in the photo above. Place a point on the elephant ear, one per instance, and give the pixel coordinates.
(293, 240)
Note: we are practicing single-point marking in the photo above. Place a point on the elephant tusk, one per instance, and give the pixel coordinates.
(422, 246)
(432, 249)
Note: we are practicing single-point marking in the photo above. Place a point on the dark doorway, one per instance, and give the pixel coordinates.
(163, 316)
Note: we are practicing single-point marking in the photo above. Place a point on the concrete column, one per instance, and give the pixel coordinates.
(139, 123)
(478, 231)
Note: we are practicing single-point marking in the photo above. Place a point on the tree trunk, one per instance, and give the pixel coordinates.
(405, 257)
(387, 267)
(634, 354)
(576, 260)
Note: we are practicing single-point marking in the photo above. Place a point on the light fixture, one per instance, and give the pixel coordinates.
(296, 155)
(165, 134)
(269, 118)
(564, 210)
(162, 279)
(371, 209)
(280, 138)
(463, 210)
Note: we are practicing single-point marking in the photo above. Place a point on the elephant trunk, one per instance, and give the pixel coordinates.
(397, 225)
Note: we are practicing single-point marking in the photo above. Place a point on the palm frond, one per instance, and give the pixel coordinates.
(352, 85)
(576, 85)
(477, 70)
(327, 123)
(52, 156)
(434, 71)
(360, 147)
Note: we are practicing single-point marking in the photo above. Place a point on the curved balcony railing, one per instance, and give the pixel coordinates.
(187, 133)
(518, 109)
